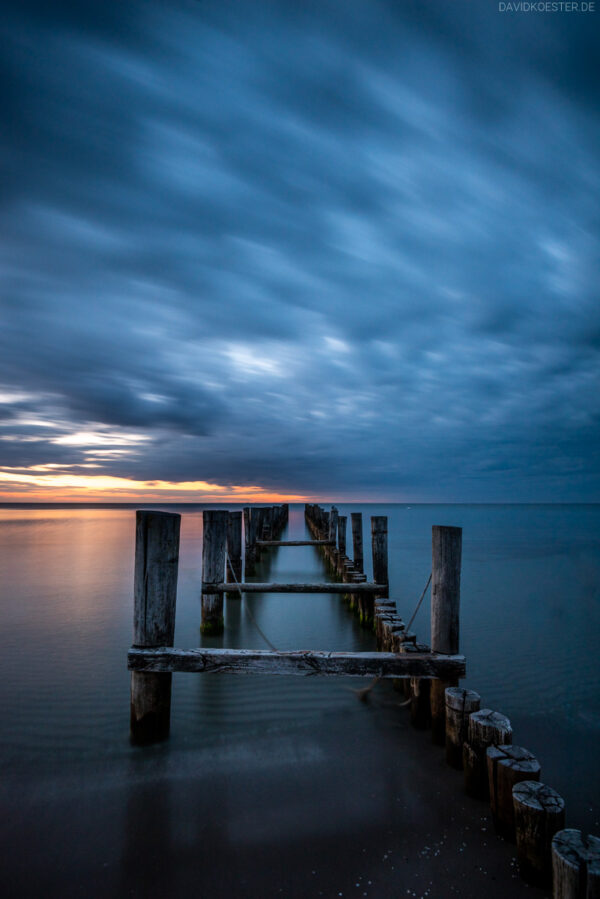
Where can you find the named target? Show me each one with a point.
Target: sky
(333, 250)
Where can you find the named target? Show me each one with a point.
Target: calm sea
(530, 629)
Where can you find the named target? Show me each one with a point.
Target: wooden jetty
(478, 741)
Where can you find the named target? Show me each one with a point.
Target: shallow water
(530, 623)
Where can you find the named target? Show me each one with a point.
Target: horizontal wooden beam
(256, 661)
(294, 543)
(297, 588)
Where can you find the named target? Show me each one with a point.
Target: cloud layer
(344, 249)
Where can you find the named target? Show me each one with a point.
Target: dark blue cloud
(324, 248)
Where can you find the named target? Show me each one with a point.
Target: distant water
(530, 629)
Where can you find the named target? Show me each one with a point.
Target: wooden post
(379, 546)
(342, 520)
(154, 597)
(460, 704)
(446, 549)
(331, 551)
(507, 766)
(246, 519)
(234, 551)
(257, 524)
(214, 545)
(486, 728)
(357, 541)
(575, 865)
(249, 541)
(539, 814)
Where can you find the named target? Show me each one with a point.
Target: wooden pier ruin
(476, 740)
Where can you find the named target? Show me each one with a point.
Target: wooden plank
(332, 587)
(294, 543)
(254, 661)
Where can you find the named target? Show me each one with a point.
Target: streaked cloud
(342, 250)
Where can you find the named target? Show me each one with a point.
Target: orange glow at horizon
(39, 484)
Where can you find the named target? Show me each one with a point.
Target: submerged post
(446, 552)
(154, 596)
(214, 543)
(357, 541)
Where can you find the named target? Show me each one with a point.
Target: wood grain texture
(155, 577)
(508, 765)
(155, 593)
(486, 728)
(460, 703)
(446, 551)
(250, 661)
(539, 815)
(272, 587)
(214, 546)
(379, 546)
(575, 865)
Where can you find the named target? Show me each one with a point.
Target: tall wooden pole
(379, 546)
(214, 544)
(154, 597)
(446, 552)
(379, 550)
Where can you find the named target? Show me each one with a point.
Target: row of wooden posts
(477, 741)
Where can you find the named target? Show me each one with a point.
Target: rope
(419, 603)
(247, 608)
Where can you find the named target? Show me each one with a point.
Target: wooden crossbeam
(297, 588)
(294, 543)
(306, 663)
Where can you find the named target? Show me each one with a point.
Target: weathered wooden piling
(342, 524)
(155, 593)
(507, 766)
(233, 568)
(379, 547)
(460, 703)
(246, 520)
(575, 865)
(331, 551)
(357, 541)
(486, 728)
(446, 551)
(250, 524)
(214, 545)
(539, 815)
